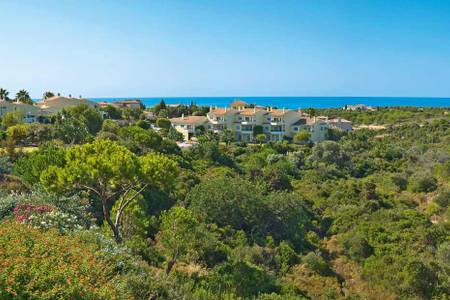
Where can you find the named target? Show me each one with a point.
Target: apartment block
(245, 121)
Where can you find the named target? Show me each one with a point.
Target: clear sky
(226, 48)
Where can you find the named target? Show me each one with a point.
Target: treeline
(387, 115)
(115, 210)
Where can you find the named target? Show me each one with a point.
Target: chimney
(210, 108)
(182, 116)
(283, 110)
(254, 109)
(226, 109)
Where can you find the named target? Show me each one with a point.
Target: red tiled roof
(189, 119)
(238, 103)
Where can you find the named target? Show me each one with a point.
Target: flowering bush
(24, 212)
(22, 205)
(55, 219)
(46, 217)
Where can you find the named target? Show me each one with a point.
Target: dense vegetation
(113, 209)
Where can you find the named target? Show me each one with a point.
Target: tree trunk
(171, 262)
(114, 228)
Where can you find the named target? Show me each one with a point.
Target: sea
(294, 102)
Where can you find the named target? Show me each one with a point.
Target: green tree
(17, 133)
(113, 112)
(47, 95)
(30, 166)
(330, 153)
(111, 173)
(227, 136)
(302, 137)
(71, 130)
(110, 126)
(422, 183)
(144, 124)
(316, 263)
(230, 201)
(131, 114)
(139, 140)
(257, 129)
(163, 123)
(12, 118)
(88, 116)
(4, 94)
(161, 106)
(261, 138)
(174, 135)
(182, 236)
(24, 97)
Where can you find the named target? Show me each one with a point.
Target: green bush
(316, 263)
(422, 183)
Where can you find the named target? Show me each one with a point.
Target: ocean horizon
(294, 102)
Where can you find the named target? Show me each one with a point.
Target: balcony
(216, 120)
(277, 129)
(276, 122)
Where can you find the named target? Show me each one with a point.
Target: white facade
(276, 124)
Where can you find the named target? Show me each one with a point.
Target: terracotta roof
(57, 103)
(189, 119)
(250, 111)
(221, 111)
(311, 121)
(278, 112)
(238, 103)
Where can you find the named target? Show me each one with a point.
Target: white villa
(55, 104)
(30, 112)
(276, 124)
(46, 107)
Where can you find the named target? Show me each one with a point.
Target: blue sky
(226, 48)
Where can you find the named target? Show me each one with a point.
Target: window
(238, 127)
(295, 128)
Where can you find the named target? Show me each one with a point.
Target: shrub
(144, 124)
(73, 205)
(443, 198)
(302, 137)
(316, 263)
(357, 246)
(163, 123)
(45, 265)
(422, 183)
(5, 165)
(45, 217)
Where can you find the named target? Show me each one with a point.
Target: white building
(276, 124)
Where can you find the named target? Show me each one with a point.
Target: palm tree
(24, 97)
(47, 95)
(4, 94)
